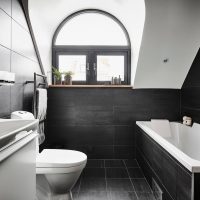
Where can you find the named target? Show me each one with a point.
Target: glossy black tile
(135, 173)
(114, 163)
(141, 185)
(116, 173)
(119, 185)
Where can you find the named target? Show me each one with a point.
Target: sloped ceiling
(171, 33)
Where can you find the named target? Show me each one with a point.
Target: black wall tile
(82, 135)
(95, 118)
(124, 135)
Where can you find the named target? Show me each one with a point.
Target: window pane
(110, 66)
(74, 63)
(91, 29)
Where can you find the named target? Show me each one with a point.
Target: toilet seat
(56, 158)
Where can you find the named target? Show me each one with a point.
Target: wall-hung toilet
(57, 170)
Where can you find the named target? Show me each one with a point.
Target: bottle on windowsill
(119, 80)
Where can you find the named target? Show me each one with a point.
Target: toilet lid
(60, 158)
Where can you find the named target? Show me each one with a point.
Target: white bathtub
(181, 141)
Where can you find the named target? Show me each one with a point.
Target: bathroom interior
(99, 100)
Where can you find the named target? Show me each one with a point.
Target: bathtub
(181, 141)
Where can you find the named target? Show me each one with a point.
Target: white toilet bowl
(61, 169)
(57, 170)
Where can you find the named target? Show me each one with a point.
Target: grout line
(24, 56)
(9, 15)
(130, 179)
(22, 26)
(107, 192)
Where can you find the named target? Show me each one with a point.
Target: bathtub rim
(189, 163)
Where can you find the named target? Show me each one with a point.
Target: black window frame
(92, 51)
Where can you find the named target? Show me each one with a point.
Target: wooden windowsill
(90, 86)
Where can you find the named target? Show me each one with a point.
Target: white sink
(9, 128)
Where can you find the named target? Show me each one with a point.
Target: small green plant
(57, 73)
(68, 73)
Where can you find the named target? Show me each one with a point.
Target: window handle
(88, 66)
(95, 68)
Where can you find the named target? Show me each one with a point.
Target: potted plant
(57, 76)
(68, 77)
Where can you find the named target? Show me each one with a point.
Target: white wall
(46, 15)
(172, 30)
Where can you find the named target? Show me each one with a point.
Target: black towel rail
(45, 84)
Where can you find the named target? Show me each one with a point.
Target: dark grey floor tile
(131, 163)
(117, 195)
(93, 184)
(116, 173)
(91, 195)
(114, 163)
(93, 163)
(145, 196)
(135, 172)
(119, 185)
(94, 173)
(141, 185)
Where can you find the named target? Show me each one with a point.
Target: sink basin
(9, 128)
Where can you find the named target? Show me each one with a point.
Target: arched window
(94, 45)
